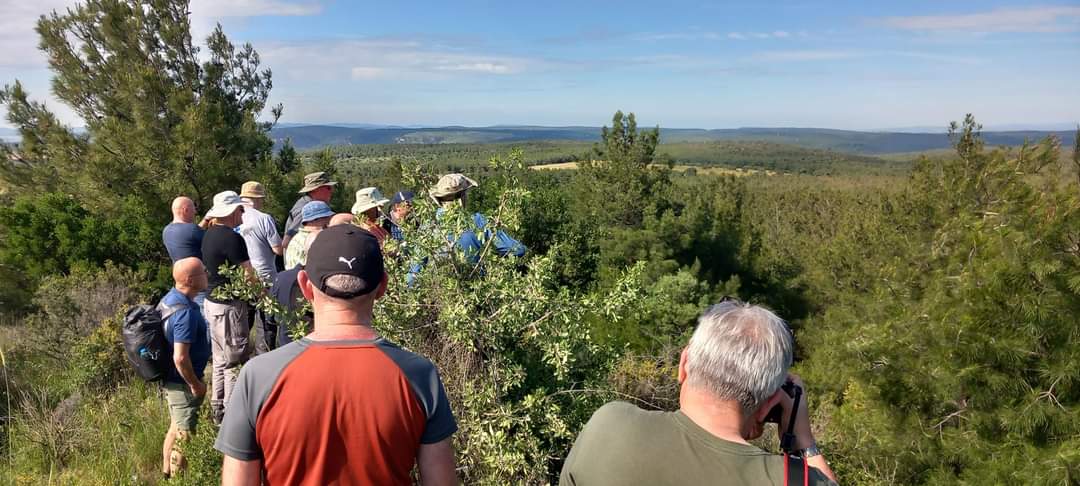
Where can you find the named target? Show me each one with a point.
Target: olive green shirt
(625, 445)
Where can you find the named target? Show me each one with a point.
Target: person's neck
(181, 221)
(188, 292)
(720, 418)
(334, 324)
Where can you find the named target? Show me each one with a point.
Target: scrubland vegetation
(935, 305)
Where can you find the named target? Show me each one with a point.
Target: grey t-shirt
(260, 235)
(625, 445)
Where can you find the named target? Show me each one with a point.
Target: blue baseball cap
(315, 210)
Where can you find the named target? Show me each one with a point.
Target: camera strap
(787, 441)
(792, 474)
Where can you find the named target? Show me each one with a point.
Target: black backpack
(144, 339)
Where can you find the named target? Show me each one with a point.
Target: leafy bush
(52, 234)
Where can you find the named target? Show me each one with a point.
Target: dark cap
(345, 250)
(400, 197)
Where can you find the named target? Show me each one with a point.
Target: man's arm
(235, 472)
(182, 360)
(437, 466)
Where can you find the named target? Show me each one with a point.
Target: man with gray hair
(731, 375)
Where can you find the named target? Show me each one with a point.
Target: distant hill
(868, 143)
(9, 135)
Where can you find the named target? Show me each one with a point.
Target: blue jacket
(471, 242)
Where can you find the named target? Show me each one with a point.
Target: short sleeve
(237, 250)
(236, 438)
(182, 329)
(424, 379)
(292, 225)
(440, 424)
(270, 231)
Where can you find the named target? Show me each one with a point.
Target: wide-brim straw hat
(225, 203)
(367, 198)
(252, 189)
(451, 185)
(314, 181)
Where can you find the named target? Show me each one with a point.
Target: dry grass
(700, 170)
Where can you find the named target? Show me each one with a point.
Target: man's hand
(804, 437)
(198, 388)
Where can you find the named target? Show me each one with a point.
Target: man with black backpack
(186, 336)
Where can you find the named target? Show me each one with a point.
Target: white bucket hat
(367, 198)
(225, 203)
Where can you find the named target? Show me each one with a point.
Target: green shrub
(52, 234)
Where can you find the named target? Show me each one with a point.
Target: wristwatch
(810, 451)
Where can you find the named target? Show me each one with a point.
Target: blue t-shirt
(183, 240)
(186, 325)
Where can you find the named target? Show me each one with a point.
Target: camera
(777, 412)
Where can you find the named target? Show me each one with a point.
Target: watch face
(811, 451)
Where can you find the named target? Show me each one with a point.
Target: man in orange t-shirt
(342, 405)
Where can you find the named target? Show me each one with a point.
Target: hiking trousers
(230, 347)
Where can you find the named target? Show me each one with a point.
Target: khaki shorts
(183, 405)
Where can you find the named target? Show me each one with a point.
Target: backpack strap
(167, 311)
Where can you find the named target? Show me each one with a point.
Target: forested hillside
(935, 304)
(850, 141)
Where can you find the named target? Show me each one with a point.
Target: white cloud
(362, 73)
(18, 41)
(807, 55)
(781, 34)
(1034, 19)
(479, 67)
(387, 58)
(736, 36)
(833, 55)
(252, 8)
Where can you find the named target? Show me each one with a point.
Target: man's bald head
(341, 218)
(183, 210)
(189, 275)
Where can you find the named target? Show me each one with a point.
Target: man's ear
(682, 365)
(306, 287)
(763, 409)
(383, 284)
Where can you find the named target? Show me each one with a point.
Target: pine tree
(159, 122)
(615, 187)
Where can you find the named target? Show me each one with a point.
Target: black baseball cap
(345, 250)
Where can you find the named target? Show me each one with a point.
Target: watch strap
(810, 451)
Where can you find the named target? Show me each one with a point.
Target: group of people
(343, 405)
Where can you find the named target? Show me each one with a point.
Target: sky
(838, 64)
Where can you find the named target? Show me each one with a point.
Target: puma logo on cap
(348, 262)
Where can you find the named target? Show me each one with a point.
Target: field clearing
(678, 168)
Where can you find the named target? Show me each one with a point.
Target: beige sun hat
(314, 181)
(367, 198)
(452, 184)
(252, 189)
(225, 203)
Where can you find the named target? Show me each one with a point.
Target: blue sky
(853, 65)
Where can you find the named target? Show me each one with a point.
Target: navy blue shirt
(183, 240)
(186, 325)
